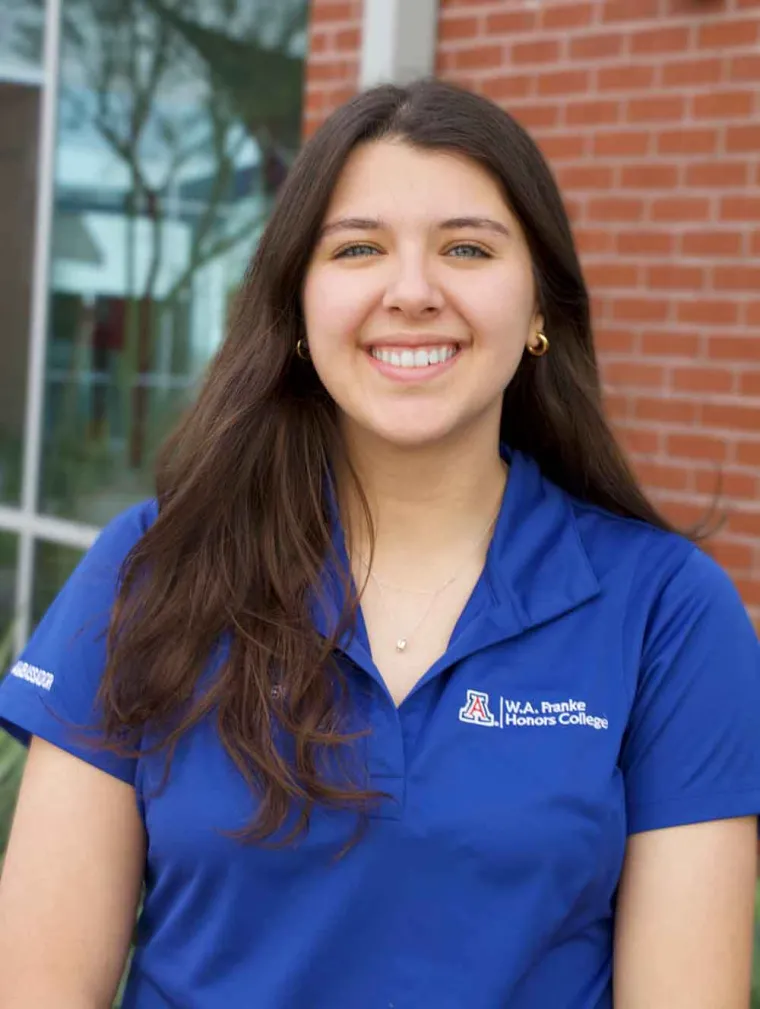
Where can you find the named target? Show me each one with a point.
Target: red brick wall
(649, 111)
(332, 69)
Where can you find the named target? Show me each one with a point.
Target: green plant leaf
(6, 647)
(12, 755)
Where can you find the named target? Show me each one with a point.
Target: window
(142, 144)
(176, 125)
(19, 123)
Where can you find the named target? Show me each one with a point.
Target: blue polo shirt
(603, 679)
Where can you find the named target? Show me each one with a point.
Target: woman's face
(419, 299)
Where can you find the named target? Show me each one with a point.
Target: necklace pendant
(401, 645)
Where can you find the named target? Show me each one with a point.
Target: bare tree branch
(200, 257)
(145, 95)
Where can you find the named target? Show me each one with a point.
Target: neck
(427, 504)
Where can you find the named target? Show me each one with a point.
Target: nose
(412, 291)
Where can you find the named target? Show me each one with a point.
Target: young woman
(401, 694)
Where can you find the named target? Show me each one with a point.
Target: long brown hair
(244, 523)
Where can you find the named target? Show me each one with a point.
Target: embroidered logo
(33, 675)
(529, 714)
(476, 710)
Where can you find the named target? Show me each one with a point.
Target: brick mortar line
(659, 259)
(683, 188)
(691, 50)
(329, 27)
(623, 27)
(700, 464)
(681, 428)
(677, 228)
(701, 497)
(671, 395)
(670, 362)
(622, 96)
(696, 90)
(686, 159)
(695, 49)
(683, 462)
(686, 396)
(336, 57)
(674, 293)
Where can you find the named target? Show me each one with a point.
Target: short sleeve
(692, 747)
(50, 691)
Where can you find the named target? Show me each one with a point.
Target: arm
(70, 884)
(683, 936)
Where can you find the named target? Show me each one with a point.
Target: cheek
(499, 310)
(333, 310)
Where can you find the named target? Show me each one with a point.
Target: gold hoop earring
(542, 348)
(302, 349)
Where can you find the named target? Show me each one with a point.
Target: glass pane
(21, 35)
(53, 563)
(19, 114)
(177, 124)
(11, 753)
(8, 559)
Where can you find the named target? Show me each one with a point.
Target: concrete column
(398, 41)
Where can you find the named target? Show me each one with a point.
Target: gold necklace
(402, 642)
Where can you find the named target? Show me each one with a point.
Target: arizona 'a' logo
(476, 710)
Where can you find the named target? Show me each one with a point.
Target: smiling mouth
(418, 357)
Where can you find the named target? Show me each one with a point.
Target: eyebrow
(451, 224)
(481, 223)
(352, 224)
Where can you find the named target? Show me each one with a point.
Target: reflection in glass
(21, 35)
(177, 124)
(11, 753)
(53, 563)
(8, 559)
(19, 113)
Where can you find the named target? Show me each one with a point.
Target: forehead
(392, 178)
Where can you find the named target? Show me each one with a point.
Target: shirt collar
(536, 568)
(537, 563)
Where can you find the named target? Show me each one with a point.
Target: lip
(412, 376)
(399, 342)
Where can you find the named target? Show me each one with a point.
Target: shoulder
(70, 637)
(615, 543)
(124, 531)
(630, 569)
(86, 599)
(51, 690)
(114, 542)
(668, 580)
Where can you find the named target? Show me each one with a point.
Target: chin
(406, 429)
(412, 442)
(412, 437)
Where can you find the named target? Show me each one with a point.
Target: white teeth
(414, 358)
